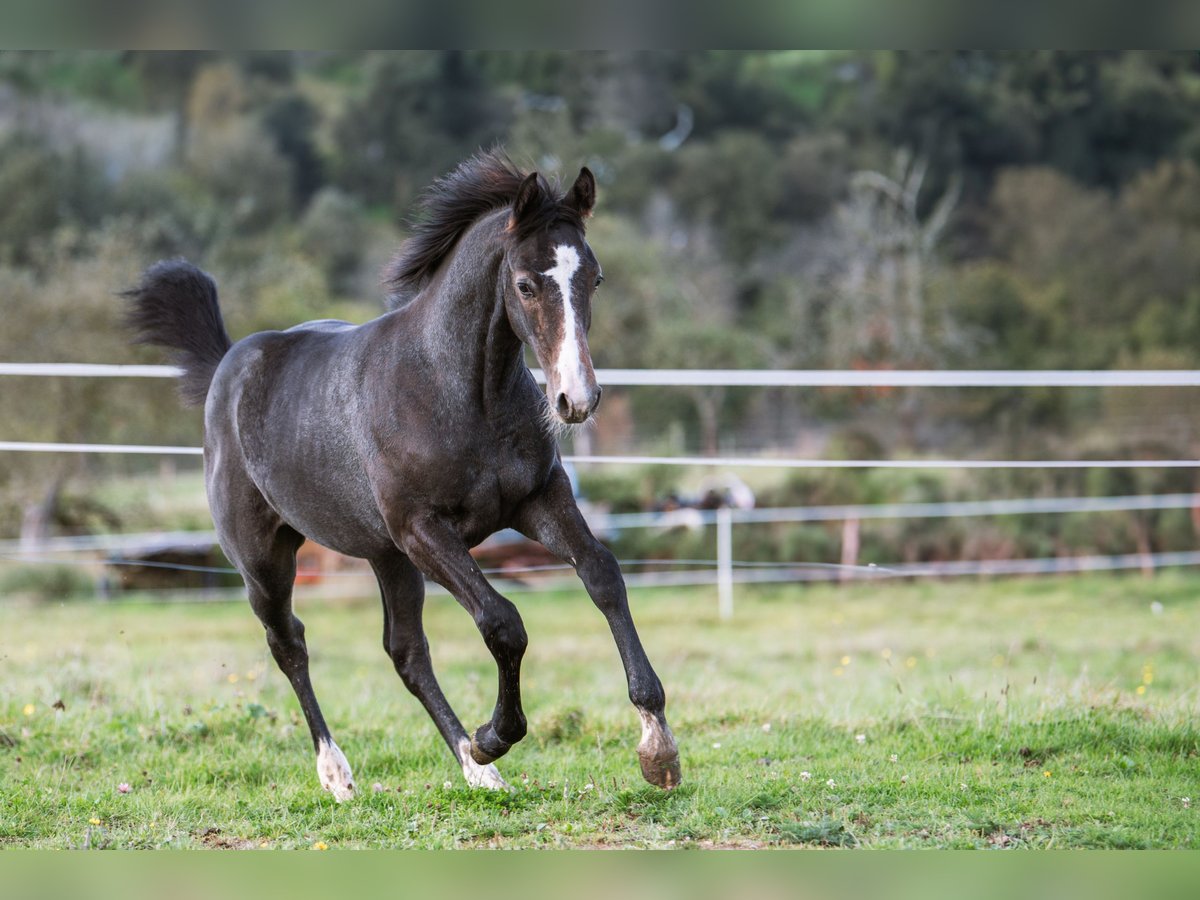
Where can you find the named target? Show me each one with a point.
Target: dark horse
(409, 439)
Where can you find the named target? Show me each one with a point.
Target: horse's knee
(411, 663)
(285, 638)
(599, 565)
(503, 631)
(601, 575)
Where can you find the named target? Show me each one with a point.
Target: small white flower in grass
(717, 745)
(447, 785)
(831, 783)
(860, 739)
(893, 758)
(377, 788)
(1156, 608)
(904, 779)
(767, 727)
(1186, 801)
(806, 776)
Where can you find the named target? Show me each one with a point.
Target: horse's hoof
(484, 776)
(661, 772)
(477, 775)
(486, 747)
(334, 772)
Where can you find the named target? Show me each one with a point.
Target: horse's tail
(175, 306)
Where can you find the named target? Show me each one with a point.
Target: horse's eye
(525, 288)
(599, 280)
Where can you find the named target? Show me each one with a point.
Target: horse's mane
(485, 182)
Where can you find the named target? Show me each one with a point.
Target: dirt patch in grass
(214, 840)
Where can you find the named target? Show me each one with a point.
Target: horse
(407, 440)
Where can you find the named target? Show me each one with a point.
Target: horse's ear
(582, 196)
(529, 200)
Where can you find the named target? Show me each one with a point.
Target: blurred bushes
(794, 210)
(44, 188)
(332, 234)
(46, 583)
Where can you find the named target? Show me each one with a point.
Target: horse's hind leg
(403, 589)
(267, 560)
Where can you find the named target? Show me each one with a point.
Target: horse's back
(271, 362)
(322, 325)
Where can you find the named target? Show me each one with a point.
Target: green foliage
(44, 188)
(332, 234)
(418, 115)
(780, 209)
(732, 184)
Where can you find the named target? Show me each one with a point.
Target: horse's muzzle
(574, 410)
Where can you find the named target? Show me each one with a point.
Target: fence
(726, 569)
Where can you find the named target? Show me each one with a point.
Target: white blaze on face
(569, 367)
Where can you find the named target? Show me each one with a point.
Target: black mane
(485, 182)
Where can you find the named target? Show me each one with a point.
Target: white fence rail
(752, 377)
(737, 462)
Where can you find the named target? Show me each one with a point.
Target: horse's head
(550, 276)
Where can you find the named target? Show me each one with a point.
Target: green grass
(1001, 714)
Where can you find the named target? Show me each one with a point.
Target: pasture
(1005, 714)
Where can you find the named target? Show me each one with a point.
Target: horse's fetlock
(514, 731)
(647, 694)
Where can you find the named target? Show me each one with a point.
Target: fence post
(725, 562)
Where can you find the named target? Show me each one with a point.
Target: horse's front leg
(438, 551)
(553, 518)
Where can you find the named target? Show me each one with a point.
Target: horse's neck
(466, 328)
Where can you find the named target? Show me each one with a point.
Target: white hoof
(477, 775)
(334, 772)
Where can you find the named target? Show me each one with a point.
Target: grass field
(1020, 713)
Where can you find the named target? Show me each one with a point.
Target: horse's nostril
(564, 407)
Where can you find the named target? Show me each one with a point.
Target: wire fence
(728, 462)
(603, 522)
(724, 570)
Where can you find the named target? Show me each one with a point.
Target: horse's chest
(508, 479)
(502, 480)
(474, 477)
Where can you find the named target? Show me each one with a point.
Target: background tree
(803, 209)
